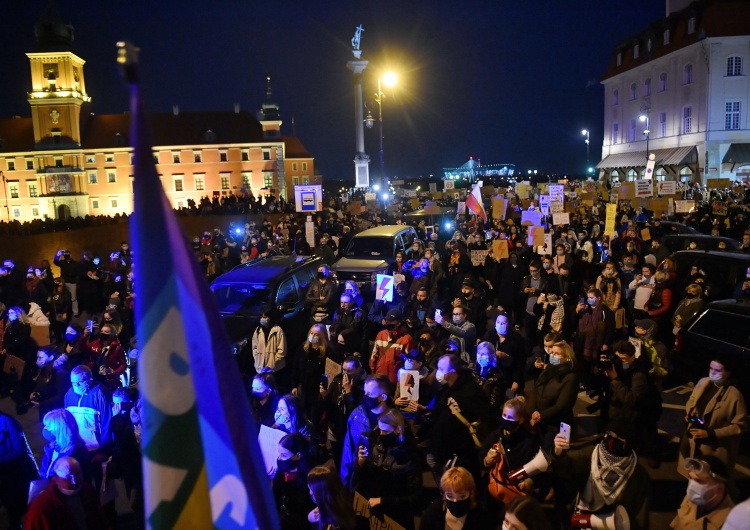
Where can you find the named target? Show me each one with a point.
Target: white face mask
(716, 378)
(699, 494)
(409, 364)
(440, 377)
(312, 339)
(554, 360)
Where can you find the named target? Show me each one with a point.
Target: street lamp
(647, 131)
(587, 134)
(388, 79)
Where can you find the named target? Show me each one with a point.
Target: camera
(606, 361)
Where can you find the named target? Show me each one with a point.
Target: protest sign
(499, 207)
(332, 369)
(556, 193)
(354, 207)
(718, 184)
(614, 197)
(487, 190)
(461, 207)
(719, 208)
(448, 185)
(384, 288)
(362, 508)
(478, 257)
(646, 234)
(500, 248)
(667, 187)
(536, 236)
(433, 187)
(431, 208)
(556, 207)
(531, 218)
(644, 188)
(560, 219)
(627, 191)
(609, 223)
(544, 204)
(547, 247)
(683, 206)
(658, 205)
(268, 440)
(370, 197)
(408, 381)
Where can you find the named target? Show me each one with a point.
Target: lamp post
(647, 131)
(389, 79)
(587, 134)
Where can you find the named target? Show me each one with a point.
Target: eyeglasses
(79, 383)
(701, 467)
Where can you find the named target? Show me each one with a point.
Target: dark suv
(276, 281)
(724, 270)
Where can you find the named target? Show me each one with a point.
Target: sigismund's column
(361, 159)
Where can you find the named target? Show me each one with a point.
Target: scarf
(609, 475)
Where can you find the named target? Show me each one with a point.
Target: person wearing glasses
(707, 503)
(89, 405)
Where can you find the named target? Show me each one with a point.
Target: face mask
(699, 494)
(106, 338)
(483, 362)
(560, 252)
(264, 322)
(70, 492)
(535, 274)
(440, 377)
(286, 466)
(627, 263)
(391, 326)
(467, 294)
(280, 419)
(513, 261)
(591, 301)
(48, 435)
(321, 275)
(458, 508)
(716, 378)
(260, 395)
(389, 439)
(501, 330)
(554, 360)
(509, 425)
(625, 365)
(616, 447)
(370, 403)
(546, 266)
(409, 364)
(424, 344)
(609, 273)
(458, 319)
(313, 339)
(690, 295)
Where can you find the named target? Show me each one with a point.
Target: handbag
(498, 486)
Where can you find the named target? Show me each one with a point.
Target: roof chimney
(176, 110)
(236, 108)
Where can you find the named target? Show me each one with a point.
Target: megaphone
(538, 464)
(615, 520)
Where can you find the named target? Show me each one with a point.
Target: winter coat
(554, 394)
(269, 352)
(386, 354)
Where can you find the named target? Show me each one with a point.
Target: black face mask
(424, 344)
(392, 326)
(286, 466)
(389, 439)
(616, 447)
(370, 402)
(321, 275)
(508, 425)
(458, 508)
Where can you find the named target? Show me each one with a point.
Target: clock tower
(58, 88)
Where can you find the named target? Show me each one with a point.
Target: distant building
(473, 170)
(688, 74)
(64, 161)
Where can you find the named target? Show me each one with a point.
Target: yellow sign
(609, 223)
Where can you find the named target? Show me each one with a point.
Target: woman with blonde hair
(310, 367)
(61, 431)
(457, 508)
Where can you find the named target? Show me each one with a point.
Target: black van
(724, 270)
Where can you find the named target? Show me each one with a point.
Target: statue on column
(357, 37)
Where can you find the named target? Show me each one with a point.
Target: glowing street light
(389, 79)
(587, 134)
(645, 119)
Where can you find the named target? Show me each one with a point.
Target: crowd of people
(470, 374)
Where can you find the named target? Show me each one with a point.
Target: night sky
(506, 82)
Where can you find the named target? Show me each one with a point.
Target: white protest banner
(683, 206)
(461, 207)
(310, 233)
(561, 218)
(448, 185)
(544, 204)
(371, 197)
(478, 257)
(531, 218)
(547, 248)
(408, 381)
(644, 188)
(667, 187)
(268, 440)
(384, 288)
(556, 193)
(410, 193)
(556, 206)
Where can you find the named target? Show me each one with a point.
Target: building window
(176, 158)
(200, 183)
(33, 192)
(295, 181)
(111, 177)
(35, 211)
(109, 157)
(305, 181)
(93, 178)
(687, 74)
(113, 203)
(666, 37)
(662, 82)
(294, 166)
(304, 166)
(662, 124)
(225, 182)
(732, 115)
(636, 51)
(632, 91)
(245, 155)
(90, 159)
(178, 184)
(197, 156)
(59, 161)
(268, 179)
(13, 187)
(11, 165)
(691, 25)
(222, 156)
(16, 212)
(29, 164)
(647, 87)
(247, 179)
(615, 97)
(734, 65)
(687, 120)
(95, 204)
(619, 59)
(631, 131)
(266, 154)
(615, 133)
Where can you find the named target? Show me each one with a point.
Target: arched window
(686, 174)
(615, 97)
(647, 87)
(632, 174)
(632, 91)
(662, 82)
(687, 74)
(734, 65)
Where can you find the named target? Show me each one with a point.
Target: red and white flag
(474, 202)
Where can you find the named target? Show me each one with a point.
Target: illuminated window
(225, 182)
(33, 192)
(200, 183)
(95, 204)
(13, 187)
(93, 178)
(16, 212)
(111, 177)
(247, 179)
(732, 115)
(268, 179)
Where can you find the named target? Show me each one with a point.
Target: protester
(458, 507)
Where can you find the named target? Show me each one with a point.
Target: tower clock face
(50, 70)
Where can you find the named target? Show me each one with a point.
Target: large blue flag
(202, 465)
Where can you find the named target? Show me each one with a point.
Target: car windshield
(241, 297)
(370, 246)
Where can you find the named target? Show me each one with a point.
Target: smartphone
(324, 381)
(565, 431)
(582, 300)
(90, 325)
(437, 312)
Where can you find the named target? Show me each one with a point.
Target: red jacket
(386, 355)
(114, 359)
(49, 511)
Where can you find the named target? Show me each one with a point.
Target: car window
(369, 247)
(305, 276)
(241, 297)
(727, 327)
(287, 294)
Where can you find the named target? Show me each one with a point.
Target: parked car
(370, 252)
(724, 270)
(670, 227)
(722, 328)
(275, 281)
(676, 242)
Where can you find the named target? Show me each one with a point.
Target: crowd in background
(499, 352)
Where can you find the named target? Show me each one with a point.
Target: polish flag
(474, 202)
